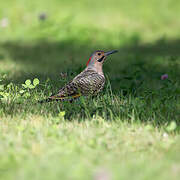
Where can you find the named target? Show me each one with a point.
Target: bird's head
(98, 57)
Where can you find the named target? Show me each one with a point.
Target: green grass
(129, 130)
(37, 148)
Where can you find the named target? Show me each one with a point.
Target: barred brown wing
(86, 83)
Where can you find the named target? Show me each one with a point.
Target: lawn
(130, 130)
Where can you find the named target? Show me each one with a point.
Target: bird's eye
(99, 54)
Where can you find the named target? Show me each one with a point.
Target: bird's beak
(110, 52)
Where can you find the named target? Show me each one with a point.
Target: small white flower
(4, 22)
(165, 135)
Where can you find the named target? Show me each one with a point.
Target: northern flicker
(89, 82)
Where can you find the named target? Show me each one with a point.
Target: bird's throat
(99, 60)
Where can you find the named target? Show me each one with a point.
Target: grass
(84, 150)
(129, 130)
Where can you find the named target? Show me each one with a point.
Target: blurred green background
(45, 38)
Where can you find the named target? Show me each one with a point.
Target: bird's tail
(60, 98)
(45, 100)
(56, 99)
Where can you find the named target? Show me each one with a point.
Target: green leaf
(4, 76)
(36, 81)
(21, 91)
(10, 85)
(172, 126)
(62, 113)
(4, 94)
(1, 93)
(27, 94)
(28, 82)
(1, 87)
(24, 85)
(31, 86)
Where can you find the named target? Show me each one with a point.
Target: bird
(88, 83)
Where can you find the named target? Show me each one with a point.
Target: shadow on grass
(48, 59)
(136, 68)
